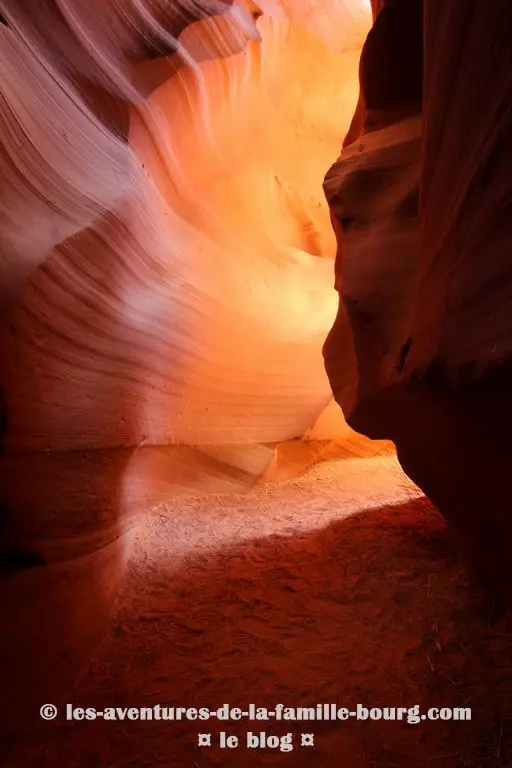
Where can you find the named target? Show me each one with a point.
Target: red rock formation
(448, 408)
(166, 285)
(373, 195)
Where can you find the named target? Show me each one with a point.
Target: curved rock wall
(373, 192)
(167, 266)
(166, 284)
(458, 367)
(437, 382)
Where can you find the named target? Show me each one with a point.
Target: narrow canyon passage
(342, 585)
(256, 380)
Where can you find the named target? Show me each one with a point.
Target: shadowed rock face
(437, 380)
(391, 66)
(373, 191)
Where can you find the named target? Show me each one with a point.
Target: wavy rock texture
(167, 264)
(190, 283)
(167, 260)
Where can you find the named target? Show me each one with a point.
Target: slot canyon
(255, 389)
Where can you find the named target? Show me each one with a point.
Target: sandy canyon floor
(343, 586)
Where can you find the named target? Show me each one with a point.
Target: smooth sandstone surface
(167, 269)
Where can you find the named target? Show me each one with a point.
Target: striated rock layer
(166, 284)
(166, 287)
